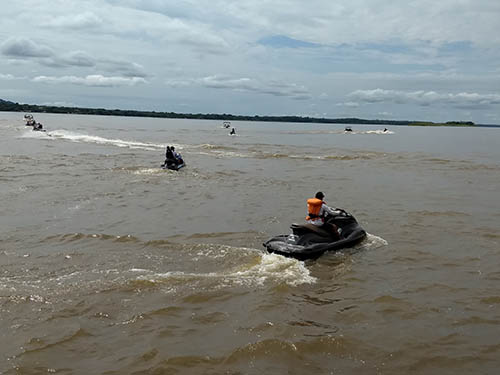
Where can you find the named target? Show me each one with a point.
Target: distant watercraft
(226, 124)
(348, 129)
(30, 121)
(37, 127)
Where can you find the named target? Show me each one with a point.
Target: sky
(374, 59)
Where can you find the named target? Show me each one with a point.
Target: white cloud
(384, 114)
(95, 80)
(348, 104)
(83, 20)
(426, 98)
(7, 77)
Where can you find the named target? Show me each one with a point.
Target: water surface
(111, 265)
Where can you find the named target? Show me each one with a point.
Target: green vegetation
(7, 106)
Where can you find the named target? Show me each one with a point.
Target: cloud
(348, 104)
(427, 98)
(95, 80)
(283, 41)
(78, 58)
(7, 77)
(83, 20)
(275, 88)
(20, 47)
(263, 48)
(125, 68)
(385, 114)
(44, 55)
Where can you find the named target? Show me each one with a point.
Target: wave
(214, 150)
(40, 344)
(36, 135)
(268, 267)
(372, 242)
(378, 131)
(224, 265)
(86, 138)
(462, 165)
(78, 137)
(72, 237)
(208, 146)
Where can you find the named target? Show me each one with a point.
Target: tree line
(8, 106)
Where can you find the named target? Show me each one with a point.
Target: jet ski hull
(173, 167)
(307, 242)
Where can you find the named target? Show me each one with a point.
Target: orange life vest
(314, 208)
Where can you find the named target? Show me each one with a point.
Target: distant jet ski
(308, 241)
(30, 121)
(37, 127)
(348, 129)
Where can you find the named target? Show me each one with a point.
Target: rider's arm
(330, 211)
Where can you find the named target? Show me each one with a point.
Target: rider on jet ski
(177, 156)
(317, 210)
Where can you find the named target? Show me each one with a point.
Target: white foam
(379, 132)
(275, 267)
(372, 242)
(270, 268)
(35, 134)
(78, 137)
(149, 171)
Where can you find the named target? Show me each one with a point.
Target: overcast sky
(387, 59)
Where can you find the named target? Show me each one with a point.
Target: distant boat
(226, 124)
(348, 129)
(30, 121)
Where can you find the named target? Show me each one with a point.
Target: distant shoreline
(7, 106)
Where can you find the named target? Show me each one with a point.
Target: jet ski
(308, 241)
(173, 165)
(38, 127)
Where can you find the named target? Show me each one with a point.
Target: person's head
(172, 148)
(320, 195)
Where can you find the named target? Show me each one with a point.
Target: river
(111, 265)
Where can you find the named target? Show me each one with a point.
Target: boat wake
(270, 268)
(378, 132)
(85, 138)
(78, 137)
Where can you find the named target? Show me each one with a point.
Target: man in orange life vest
(317, 210)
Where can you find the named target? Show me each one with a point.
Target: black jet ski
(308, 241)
(173, 164)
(38, 128)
